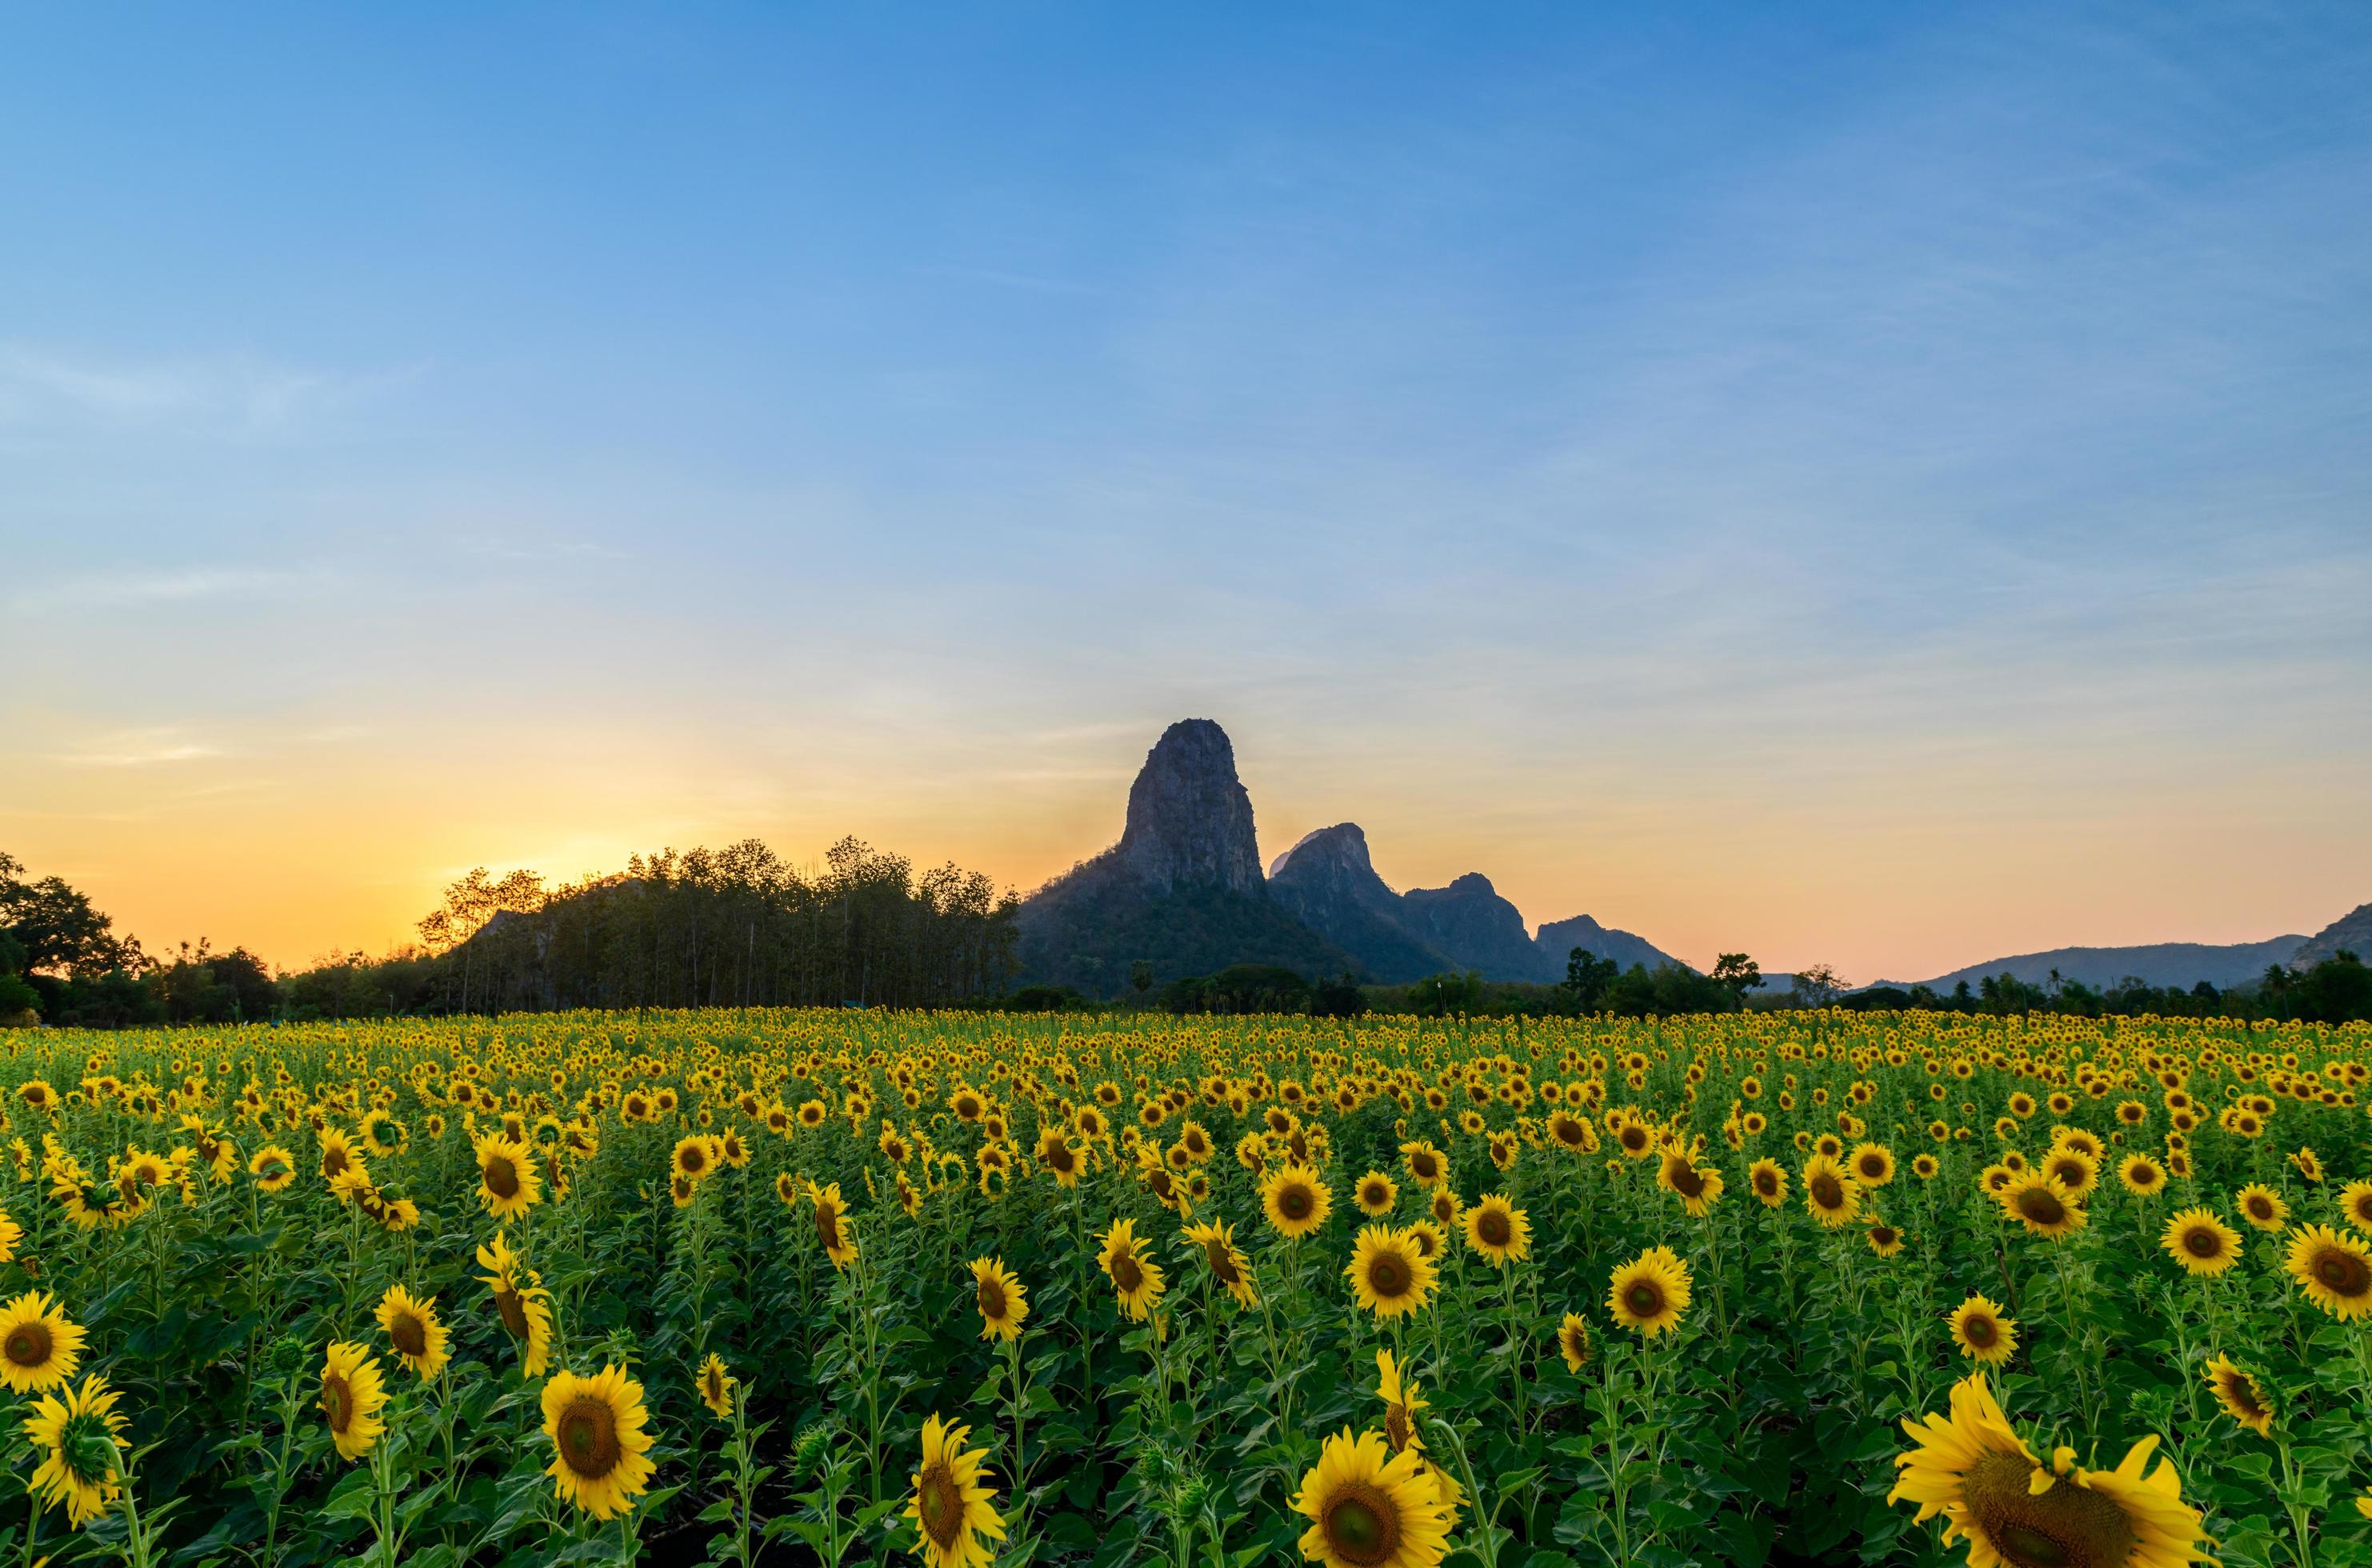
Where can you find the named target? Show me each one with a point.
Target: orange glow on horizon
(339, 846)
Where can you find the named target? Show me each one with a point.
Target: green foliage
(2338, 989)
(54, 929)
(732, 927)
(1046, 999)
(1761, 1430)
(1668, 991)
(1095, 937)
(19, 1001)
(1738, 972)
(1587, 978)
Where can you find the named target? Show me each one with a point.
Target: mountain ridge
(2352, 930)
(2179, 964)
(1183, 891)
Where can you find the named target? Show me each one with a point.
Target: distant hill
(1183, 890)
(1478, 929)
(2162, 964)
(1183, 893)
(2352, 930)
(1558, 938)
(1328, 880)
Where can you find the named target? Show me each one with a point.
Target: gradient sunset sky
(1883, 485)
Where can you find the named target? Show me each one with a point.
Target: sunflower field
(840, 1287)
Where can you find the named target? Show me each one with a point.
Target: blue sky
(1882, 485)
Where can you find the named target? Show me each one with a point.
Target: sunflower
(395, 1215)
(2043, 1205)
(1975, 1470)
(695, 1157)
(81, 1466)
(1872, 1165)
(2261, 1206)
(2076, 1169)
(2356, 1203)
(717, 1384)
(2243, 1396)
(2141, 1176)
(382, 1134)
(352, 1396)
(1429, 1237)
(1426, 1165)
(2334, 1270)
(1768, 1178)
(1295, 1200)
(212, 1149)
(1388, 1275)
(1375, 1194)
(508, 1183)
(1136, 1278)
(1401, 1401)
(273, 1167)
(2201, 1242)
(1002, 1299)
(337, 1153)
(1884, 1239)
(832, 1228)
(1497, 1229)
(1650, 1293)
(40, 1345)
(598, 1442)
(520, 1301)
(1697, 1190)
(1369, 1507)
(1054, 1152)
(1571, 1133)
(411, 1325)
(1227, 1265)
(1573, 1341)
(1983, 1334)
(1830, 1195)
(954, 1513)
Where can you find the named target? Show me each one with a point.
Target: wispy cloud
(141, 749)
(513, 549)
(189, 584)
(225, 395)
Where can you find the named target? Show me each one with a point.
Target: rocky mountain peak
(1342, 847)
(2352, 930)
(1190, 821)
(1477, 928)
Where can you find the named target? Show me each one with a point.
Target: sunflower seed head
(808, 1450)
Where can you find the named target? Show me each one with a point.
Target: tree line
(2338, 989)
(737, 927)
